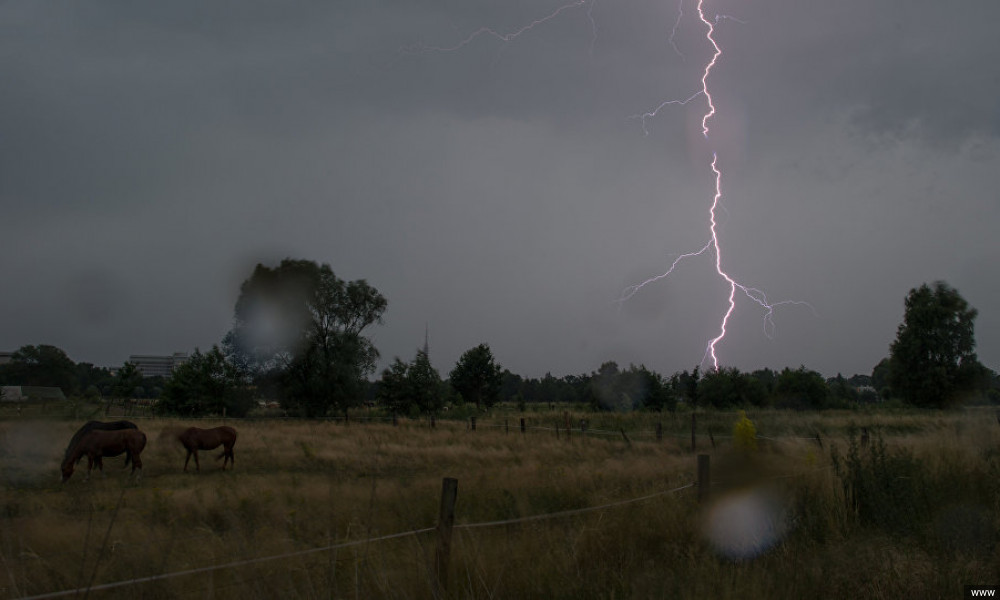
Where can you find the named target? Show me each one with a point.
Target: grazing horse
(91, 426)
(97, 444)
(195, 439)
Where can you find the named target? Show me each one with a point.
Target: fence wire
(414, 532)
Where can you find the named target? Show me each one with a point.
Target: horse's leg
(197, 465)
(137, 464)
(186, 461)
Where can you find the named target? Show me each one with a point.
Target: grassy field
(913, 513)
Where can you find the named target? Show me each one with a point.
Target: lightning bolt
(673, 31)
(506, 37)
(755, 295)
(713, 244)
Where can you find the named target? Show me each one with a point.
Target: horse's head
(67, 470)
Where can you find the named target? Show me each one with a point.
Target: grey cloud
(500, 194)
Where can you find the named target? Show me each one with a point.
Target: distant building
(5, 357)
(151, 366)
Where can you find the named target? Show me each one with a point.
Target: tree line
(298, 338)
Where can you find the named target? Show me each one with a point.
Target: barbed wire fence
(348, 544)
(444, 529)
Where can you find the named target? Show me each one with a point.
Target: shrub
(745, 434)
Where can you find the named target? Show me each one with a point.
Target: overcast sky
(152, 153)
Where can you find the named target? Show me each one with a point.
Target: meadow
(810, 512)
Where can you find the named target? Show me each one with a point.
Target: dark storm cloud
(152, 154)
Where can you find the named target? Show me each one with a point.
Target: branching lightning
(506, 37)
(753, 294)
(713, 244)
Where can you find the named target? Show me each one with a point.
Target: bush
(881, 486)
(745, 434)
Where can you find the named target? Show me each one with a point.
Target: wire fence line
(446, 422)
(568, 513)
(342, 545)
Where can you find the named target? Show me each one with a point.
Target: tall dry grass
(299, 485)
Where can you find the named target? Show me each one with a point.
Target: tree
(842, 393)
(425, 386)
(477, 377)
(392, 388)
(41, 365)
(880, 379)
(801, 389)
(206, 384)
(126, 381)
(727, 386)
(646, 389)
(685, 385)
(90, 379)
(412, 388)
(299, 325)
(932, 362)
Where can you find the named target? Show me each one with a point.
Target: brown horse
(98, 444)
(92, 425)
(195, 439)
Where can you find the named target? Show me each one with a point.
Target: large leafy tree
(477, 377)
(301, 325)
(932, 362)
(41, 365)
(206, 384)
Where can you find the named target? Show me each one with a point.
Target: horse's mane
(91, 426)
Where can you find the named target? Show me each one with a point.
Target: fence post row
(446, 520)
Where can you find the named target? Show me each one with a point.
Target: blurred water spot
(744, 524)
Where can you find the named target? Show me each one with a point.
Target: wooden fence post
(659, 432)
(446, 520)
(432, 421)
(703, 478)
(395, 420)
(472, 423)
(692, 432)
(506, 427)
(523, 428)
